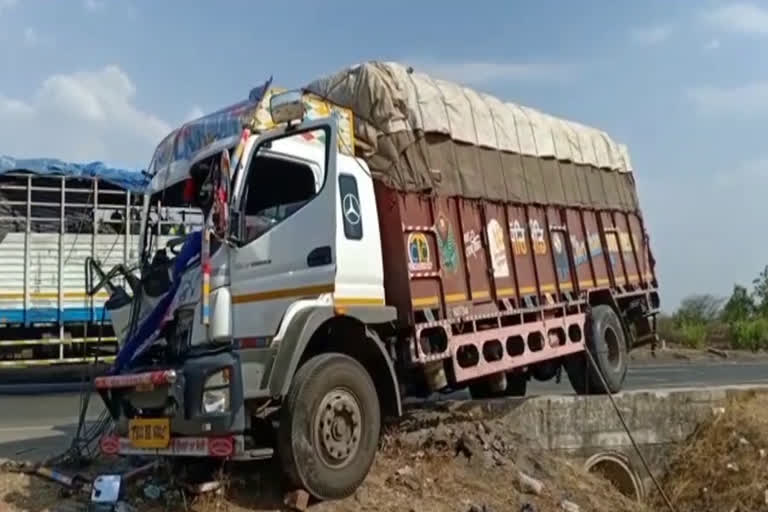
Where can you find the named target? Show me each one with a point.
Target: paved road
(45, 423)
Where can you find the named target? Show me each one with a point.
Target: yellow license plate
(150, 432)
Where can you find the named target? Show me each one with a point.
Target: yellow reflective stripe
(424, 301)
(284, 293)
(358, 301)
(50, 295)
(24, 363)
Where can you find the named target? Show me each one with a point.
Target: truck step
(256, 454)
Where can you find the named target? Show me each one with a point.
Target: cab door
(285, 201)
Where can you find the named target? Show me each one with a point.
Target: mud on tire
(606, 341)
(329, 426)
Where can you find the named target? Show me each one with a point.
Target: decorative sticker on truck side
(419, 259)
(561, 256)
(517, 237)
(472, 244)
(498, 251)
(613, 248)
(446, 244)
(579, 251)
(537, 236)
(517, 232)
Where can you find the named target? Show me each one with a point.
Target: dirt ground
(449, 461)
(724, 466)
(433, 463)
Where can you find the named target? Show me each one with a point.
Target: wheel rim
(338, 428)
(614, 351)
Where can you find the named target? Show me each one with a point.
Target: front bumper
(176, 393)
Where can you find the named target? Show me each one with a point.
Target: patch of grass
(694, 335)
(689, 334)
(751, 334)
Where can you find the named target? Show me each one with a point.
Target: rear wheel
(329, 426)
(607, 343)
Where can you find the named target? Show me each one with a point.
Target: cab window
(276, 188)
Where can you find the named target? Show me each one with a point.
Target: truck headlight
(216, 392)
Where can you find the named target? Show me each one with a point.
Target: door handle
(319, 256)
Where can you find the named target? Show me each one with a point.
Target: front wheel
(329, 426)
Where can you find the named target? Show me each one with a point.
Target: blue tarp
(130, 179)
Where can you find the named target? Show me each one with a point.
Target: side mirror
(287, 107)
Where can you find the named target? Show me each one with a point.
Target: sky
(684, 84)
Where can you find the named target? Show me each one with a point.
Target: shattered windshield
(170, 216)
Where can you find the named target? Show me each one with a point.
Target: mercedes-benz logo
(351, 209)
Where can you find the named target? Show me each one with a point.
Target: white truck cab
(300, 259)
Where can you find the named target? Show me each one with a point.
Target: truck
(373, 236)
(53, 215)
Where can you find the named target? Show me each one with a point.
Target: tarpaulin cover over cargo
(43, 202)
(129, 179)
(420, 134)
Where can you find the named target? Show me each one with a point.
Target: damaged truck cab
(296, 292)
(341, 268)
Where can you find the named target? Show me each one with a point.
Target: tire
(331, 408)
(606, 341)
(546, 370)
(517, 385)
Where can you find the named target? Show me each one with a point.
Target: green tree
(698, 309)
(740, 305)
(761, 291)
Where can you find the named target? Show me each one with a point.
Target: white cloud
(14, 107)
(744, 18)
(82, 116)
(93, 5)
(30, 37)
(648, 36)
(714, 44)
(744, 100)
(479, 72)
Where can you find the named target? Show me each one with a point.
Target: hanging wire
(83, 447)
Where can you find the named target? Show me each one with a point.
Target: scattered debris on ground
(436, 461)
(724, 465)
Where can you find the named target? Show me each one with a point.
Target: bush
(751, 334)
(739, 307)
(687, 333)
(693, 334)
(698, 309)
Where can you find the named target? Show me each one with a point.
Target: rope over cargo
(419, 134)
